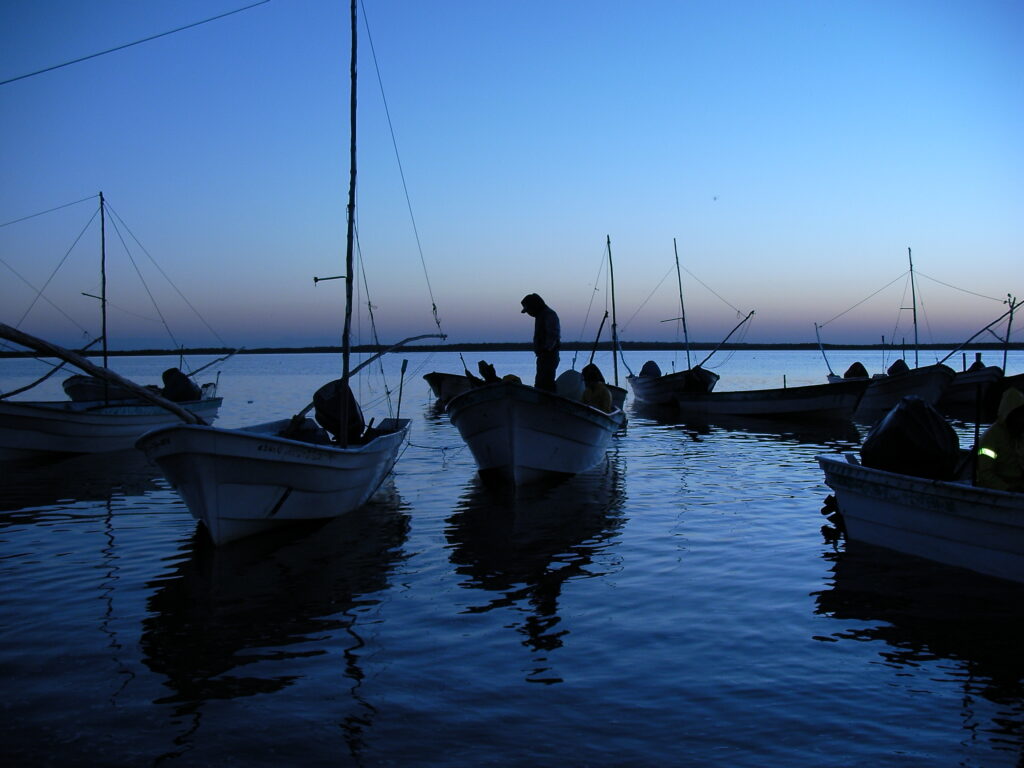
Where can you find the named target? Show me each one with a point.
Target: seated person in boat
(1001, 450)
(488, 373)
(328, 403)
(595, 391)
(178, 387)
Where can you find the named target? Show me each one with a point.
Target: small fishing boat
(951, 522)
(31, 430)
(885, 391)
(50, 429)
(815, 401)
(240, 482)
(651, 387)
(658, 389)
(970, 390)
(445, 386)
(523, 435)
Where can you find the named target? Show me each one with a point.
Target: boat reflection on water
(523, 548)
(85, 477)
(290, 595)
(839, 432)
(923, 613)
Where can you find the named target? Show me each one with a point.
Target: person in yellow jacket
(595, 391)
(1001, 450)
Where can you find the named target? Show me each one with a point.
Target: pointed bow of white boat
(240, 482)
(949, 522)
(523, 435)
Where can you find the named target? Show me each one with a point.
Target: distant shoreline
(526, 347)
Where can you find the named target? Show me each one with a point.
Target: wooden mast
(103, 279)
(913, 303)
(682, 309)
(346, 342)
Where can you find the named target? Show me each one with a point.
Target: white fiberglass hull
(39, 429)
(524, 435)
(885, 392)
(240, 482)
(817, 401)
(948, 522)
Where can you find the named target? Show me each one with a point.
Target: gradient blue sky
(794, 149)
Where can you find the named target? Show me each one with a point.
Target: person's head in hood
(532, 304)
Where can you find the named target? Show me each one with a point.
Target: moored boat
(246, 481)
(947, 521)
(240, 482)
(657, 389)
(885, 391)
(31, 429)
(523, 435)
(814, 401)
(445, 386)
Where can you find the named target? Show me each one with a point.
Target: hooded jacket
(1000, 452)
(546, 328)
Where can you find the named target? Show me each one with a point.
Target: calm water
(682, 605)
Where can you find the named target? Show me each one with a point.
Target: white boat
(815, 401)
(950, 522)
(240, 482)
(34, 430)
(885, 391)
(523, 435)
(245, 481)
(41, 429)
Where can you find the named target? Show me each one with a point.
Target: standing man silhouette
(546, 340)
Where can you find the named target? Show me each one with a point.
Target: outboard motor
(913, 439)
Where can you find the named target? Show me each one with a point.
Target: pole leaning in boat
(48, 348)
(615, 325)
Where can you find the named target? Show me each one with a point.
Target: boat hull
(661, 390)
(240, 482)
(885, 392)
(816, 401)
(947, 522)
(969, 394)
(32, 429)
(445, 386)
(524, 435)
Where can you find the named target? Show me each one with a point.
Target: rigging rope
(955, 288)
(51, 210)
(170, 282)
(57, 269)
(39, 293)
(163, 320)
(129, 45)
(401, 171)
(822, 325)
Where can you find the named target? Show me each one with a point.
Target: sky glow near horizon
(794, 150)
